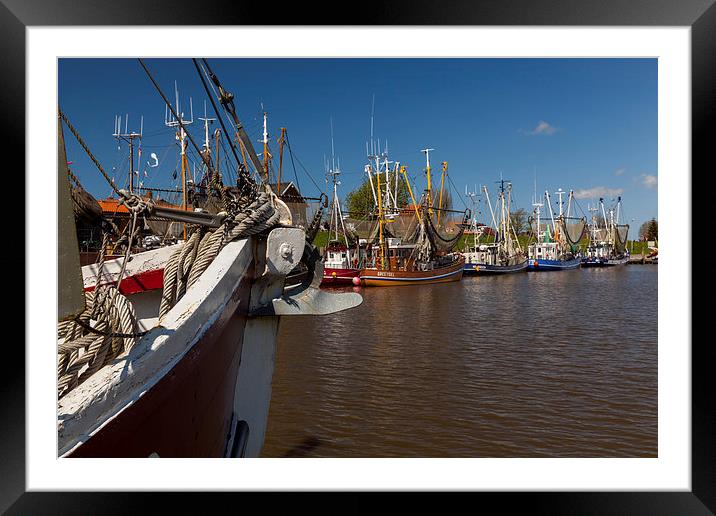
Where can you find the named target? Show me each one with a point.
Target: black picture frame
(700, 15)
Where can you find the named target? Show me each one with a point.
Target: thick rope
(81, 352)
(189, 261)
(83, 348)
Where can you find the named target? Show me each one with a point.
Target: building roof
(112, 205)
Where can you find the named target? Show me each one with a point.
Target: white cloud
(597, 191)
(648, 180)
(543, 128)
(619, 172)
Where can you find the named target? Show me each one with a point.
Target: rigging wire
(213, 104)
(178, 119)
(288, 143)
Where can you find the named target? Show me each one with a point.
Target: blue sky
(583, 124)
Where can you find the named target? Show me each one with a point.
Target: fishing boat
(607, 239)
(429, 259)
(556, 249)
(504, 254)
(180, 367)
(342, 257)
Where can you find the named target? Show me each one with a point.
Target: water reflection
(532, 364)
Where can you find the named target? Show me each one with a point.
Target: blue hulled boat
(502, 256)
(556, 249)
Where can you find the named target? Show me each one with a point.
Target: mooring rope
(85, 348)
(189, 261)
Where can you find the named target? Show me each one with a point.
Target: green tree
(519, 220)
(652, 230)
(649, 230)
(360, 201)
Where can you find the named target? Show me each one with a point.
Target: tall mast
(370, 180)
(380, 226)
(266, 152)
(569, 203)
(128, 137)
(473, 222)
(604, 214)
(207, 145)
(404, 171)
(442, 187)
(172, 122)
(503, 225)
(551, 213)
(489, 205)
(206, 121)
(427, 173)
(281, 143)
(217, 135)
(559, 193)
(538, 208)
(594, 225)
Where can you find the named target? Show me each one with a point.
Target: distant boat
(607, 239)
(427, 259)
(558, 249)
(504, 255)
(340, 261)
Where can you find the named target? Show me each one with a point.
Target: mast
(172, 122)
(207, 145)
(281, 143)
(473, 222)
(594, 226)
(266, 151)
(380, 226)
(559, 193)
(206, 121)
(551, 212)
(604, 214)
(503, 225)
(427, 173)
(410, 191)
(370, 180)
(442, 187)
(489, 205)
(538, 209)
(508, 219)
(217, 135)
(129, 137)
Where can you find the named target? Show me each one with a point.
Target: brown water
(550, 364)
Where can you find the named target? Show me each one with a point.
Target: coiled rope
(84, 348)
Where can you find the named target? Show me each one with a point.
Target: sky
(588, 125)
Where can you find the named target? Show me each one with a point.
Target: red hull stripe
(142, 282)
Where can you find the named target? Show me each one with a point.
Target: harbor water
(538, 364)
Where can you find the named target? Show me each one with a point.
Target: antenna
(502, 182)
(173, 122)
(427, 157)
(128, 137)
(206, 121)
(372, 113)
(559, 193)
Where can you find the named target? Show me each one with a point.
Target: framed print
(523, 138)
